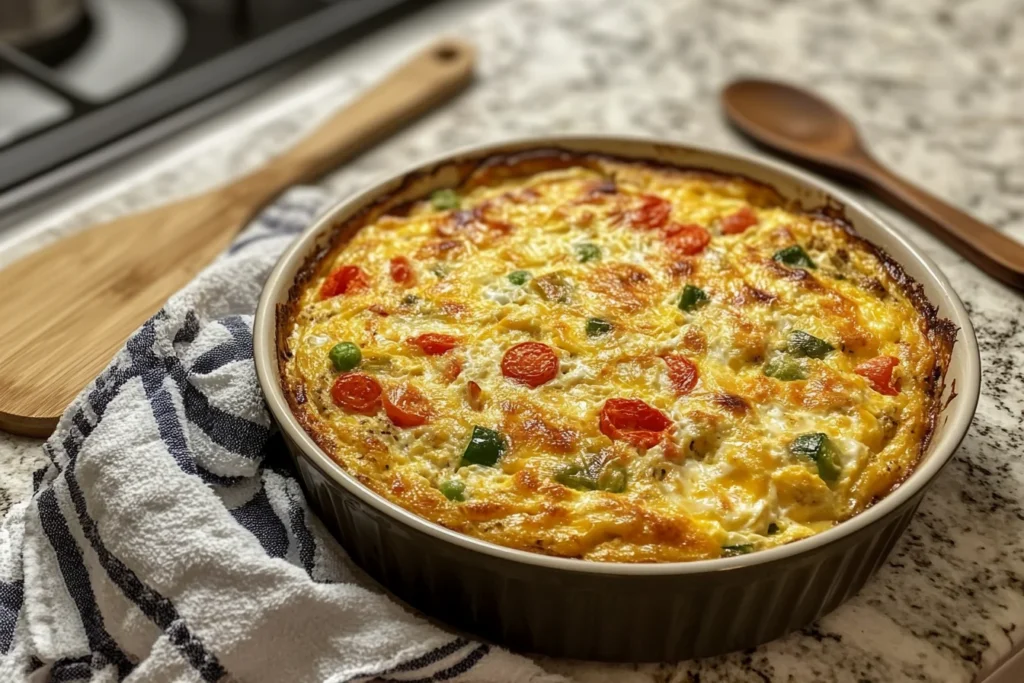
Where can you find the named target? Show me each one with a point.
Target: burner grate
(138, 61)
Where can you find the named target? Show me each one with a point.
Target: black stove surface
(130, 63)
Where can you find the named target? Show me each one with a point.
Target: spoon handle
(992, 251)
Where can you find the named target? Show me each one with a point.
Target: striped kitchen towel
(168, 539)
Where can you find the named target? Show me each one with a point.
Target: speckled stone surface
(938, 89)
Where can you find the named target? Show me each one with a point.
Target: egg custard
(615, 361)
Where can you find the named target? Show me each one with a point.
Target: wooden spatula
(66, 309)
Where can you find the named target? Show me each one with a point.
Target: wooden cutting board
(68, 308)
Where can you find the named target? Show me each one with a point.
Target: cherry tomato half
(686, 240)
(736, 223)
(405, 406)
(344, 279)
(357, 393)
(653, 213)
(633, 421)
(435, 344)
(531, 363)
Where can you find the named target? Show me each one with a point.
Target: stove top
(129, 63)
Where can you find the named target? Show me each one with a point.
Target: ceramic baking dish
(614, 611)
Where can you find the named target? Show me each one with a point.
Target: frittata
(615, 361)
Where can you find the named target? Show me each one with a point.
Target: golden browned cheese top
(657, 364)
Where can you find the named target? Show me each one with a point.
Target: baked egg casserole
(610, 360)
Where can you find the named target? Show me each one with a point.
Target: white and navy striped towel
(169, 541)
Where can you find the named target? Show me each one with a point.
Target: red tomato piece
(878, 371)
(633, 421)
(452, 369)
(343, 280)
(356, 393)
(686, 240)
(531, 363)
(405, 406)
(682, 373)
(653, 213)
(401, 271)
(434, 344)
(475, 395)
(736, 223)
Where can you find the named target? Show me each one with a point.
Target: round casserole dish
(606, 610)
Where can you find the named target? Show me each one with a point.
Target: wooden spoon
(804, 126)
(67, 309)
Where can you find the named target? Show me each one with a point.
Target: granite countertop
(938, 89)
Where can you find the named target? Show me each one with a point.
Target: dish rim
(940, 451)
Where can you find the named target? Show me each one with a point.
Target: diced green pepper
(453, 490)
(440, 270)
(817, 448)
(596, 327)
(587, 252)
(802, 344)
(613, 479)
(443, 200)
(692, 298)
(576, 477)
(739, 549)
(785, 368)
(410, 299)
(345, 356)
(519, 277)
(485, 447)
(794, 256)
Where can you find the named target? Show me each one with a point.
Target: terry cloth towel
(168, 539)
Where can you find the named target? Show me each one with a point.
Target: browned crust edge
(941, 332)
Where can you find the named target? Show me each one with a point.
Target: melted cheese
(723, 475)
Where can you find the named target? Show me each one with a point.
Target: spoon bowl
(790, 120)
